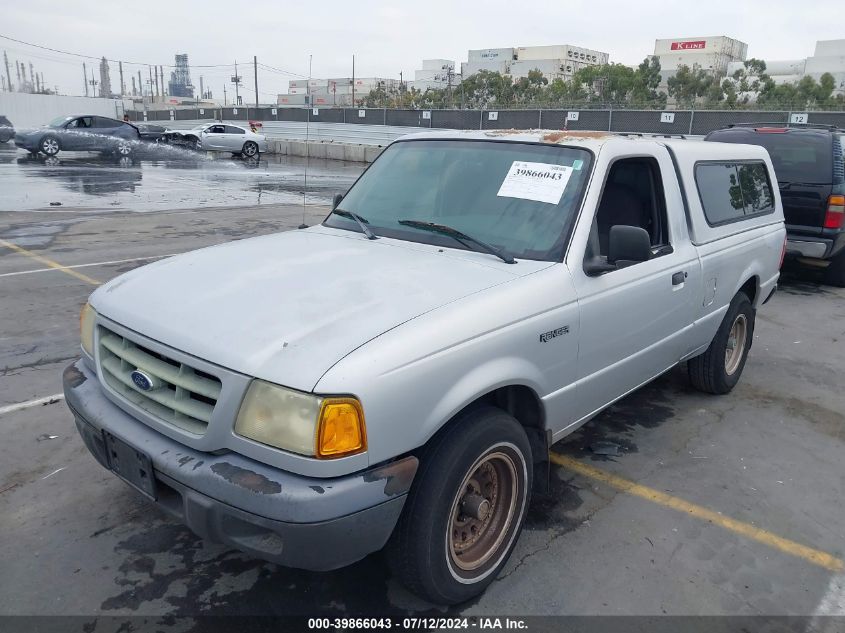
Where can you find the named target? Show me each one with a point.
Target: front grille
(186, 397)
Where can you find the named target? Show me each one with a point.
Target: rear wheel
(466, 508)
(835, 273)
(124, 147)
(49, 145)
(250, 149)
(718, 369)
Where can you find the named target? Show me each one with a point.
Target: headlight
(302, 423)
(86, 328)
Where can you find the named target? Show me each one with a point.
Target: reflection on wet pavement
(164, 178)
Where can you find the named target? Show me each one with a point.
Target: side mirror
(337, 198)
(628, 244)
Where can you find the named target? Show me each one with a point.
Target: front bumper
(305, 522)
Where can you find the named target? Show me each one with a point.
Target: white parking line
(114, 261)
(32, 403)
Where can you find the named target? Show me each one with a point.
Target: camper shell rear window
(731, 191)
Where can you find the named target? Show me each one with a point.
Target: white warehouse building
(712, 54)
(828, 57)
(555, 62)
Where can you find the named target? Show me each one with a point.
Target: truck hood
(286, 307)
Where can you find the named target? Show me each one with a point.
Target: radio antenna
(307, 136)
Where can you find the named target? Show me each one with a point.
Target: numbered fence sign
(315, 111)
(172, 115)
(426, 114)
(362, 114)
(798, 117)
(234, 110)
(572, 116)
(667, 117)
(274, 111)
(202, 111)
(492, 116)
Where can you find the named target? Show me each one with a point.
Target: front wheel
(718, 369)
(466, 508)
(49, 146)
(250, 149)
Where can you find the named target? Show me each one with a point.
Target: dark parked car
(7, 130)
(89, 133)
(811, 176)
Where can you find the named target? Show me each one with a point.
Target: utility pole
(18, 71)
(149, 68)
(202, 90)
(353, 81)
(236, 79)
(122, 85)
(161, 74)
(31, 77)
(140, 87)
(8, 73)
(255, 68)
(225, 102)
(85, 78)
(155, 68)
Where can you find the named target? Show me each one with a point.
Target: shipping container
(472, 68)
(491, 54)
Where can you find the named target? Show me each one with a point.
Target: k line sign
(688, 46)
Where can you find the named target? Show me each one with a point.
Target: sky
(386, 37)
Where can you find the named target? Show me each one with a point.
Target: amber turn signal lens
(342, 430)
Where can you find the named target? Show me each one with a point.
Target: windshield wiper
(361, 222)
(459, 236)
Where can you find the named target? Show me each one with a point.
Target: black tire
(49, 145)
(715, 371)
(835, 273)
(250, 149)
(484, 448)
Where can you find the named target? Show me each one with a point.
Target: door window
(231, 129)
(102, 122)
(217, 129)
(633, 196)
(83, 122)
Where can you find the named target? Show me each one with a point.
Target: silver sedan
(220, 137)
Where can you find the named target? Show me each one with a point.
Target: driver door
(634, 318)
(77, 136)
(213, 137)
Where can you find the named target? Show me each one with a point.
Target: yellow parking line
(50, 263)
(817, 557)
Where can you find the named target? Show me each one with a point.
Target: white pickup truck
(396, 375)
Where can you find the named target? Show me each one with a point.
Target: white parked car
(396, 374)
(219, 137)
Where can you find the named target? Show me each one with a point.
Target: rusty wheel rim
(736, 344)
(482, 511)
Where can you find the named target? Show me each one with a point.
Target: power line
(97, 57)
(279, 70)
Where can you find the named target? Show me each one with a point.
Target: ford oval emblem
(143, 381)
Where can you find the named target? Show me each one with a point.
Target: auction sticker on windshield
(542, 182)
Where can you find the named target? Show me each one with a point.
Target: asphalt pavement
(712, 505)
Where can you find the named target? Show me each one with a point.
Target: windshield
(59, 121)
(518, 197)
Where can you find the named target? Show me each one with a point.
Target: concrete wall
(29, 110)
(330, 151)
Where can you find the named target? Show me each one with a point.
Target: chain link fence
(674, 122)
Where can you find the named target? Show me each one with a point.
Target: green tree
(646, 81)
(689, 84)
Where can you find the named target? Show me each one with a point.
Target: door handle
(678, 278)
